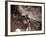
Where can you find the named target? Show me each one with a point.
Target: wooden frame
(6, 18)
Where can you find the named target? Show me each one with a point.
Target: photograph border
(6, 18)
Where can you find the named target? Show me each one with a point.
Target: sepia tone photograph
(25, 18)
